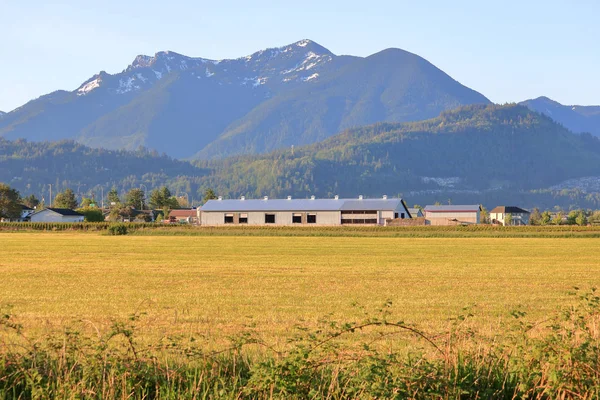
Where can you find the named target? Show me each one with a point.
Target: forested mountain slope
(475, 149)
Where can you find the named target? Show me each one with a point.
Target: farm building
(416, 212)
(298, 212)
(453, 215)
(518, 216)
(182, 217)
(56, 215)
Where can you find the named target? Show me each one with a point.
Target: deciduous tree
(9, 202)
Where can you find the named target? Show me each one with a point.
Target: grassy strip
(380, 231)
(557, 358)
(470, 231)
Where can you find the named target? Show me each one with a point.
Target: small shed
(453, 215)
(51, 214)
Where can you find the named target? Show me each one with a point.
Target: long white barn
(298, 212)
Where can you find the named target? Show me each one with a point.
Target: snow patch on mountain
(310, 78)
(89, 86)
(127, 85)
(158, 74)
(208, 73)
(260, 81)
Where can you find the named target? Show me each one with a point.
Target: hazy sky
(507, 50)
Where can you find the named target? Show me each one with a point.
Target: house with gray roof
(518, 216)
(453, 215)
(52, 214)
(303, 212)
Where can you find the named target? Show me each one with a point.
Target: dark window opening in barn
(269, 218)
(297, 218)
(243, 218)
(311, 219)
(402, 215)
(395, 215)
(229, 218)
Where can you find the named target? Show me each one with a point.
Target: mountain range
(194, 107)
(486, 154)
(576, 118)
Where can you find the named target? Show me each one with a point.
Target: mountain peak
(166, 61)
(93, 83)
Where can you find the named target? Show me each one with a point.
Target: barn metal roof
(301, 205)
(454, 208)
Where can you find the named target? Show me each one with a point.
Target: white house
(302, 212)
(26, 212)
(518, 216)
(57, 215)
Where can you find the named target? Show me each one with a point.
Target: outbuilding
(453, 215)
(182, 217)
(299, 212)
(57, 215)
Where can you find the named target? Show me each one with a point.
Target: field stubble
(216, 287)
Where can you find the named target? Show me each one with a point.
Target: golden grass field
(214, 286)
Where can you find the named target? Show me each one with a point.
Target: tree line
(129, 206)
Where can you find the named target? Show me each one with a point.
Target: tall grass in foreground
(556, 358)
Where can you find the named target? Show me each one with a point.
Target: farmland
(216, 285)
(212, 288)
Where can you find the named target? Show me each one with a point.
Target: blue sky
(507, 50)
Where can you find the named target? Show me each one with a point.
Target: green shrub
(91, 214)
(117, 229)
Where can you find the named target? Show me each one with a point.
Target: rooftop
(509, 210)
(454, 208)
(302, 205)
(64, 211)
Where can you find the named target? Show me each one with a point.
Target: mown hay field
(216, 287)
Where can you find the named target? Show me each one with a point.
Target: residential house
(24, 217)
(182, 217)
(52, 214)
(518, 216)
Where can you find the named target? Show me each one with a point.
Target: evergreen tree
(209, 194)
(136, 198)
(162, 198)
(66, 199)
(113, 197)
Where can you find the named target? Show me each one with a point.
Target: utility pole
(102, 200)
(50, 195)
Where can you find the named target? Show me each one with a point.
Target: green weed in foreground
(557, 358)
